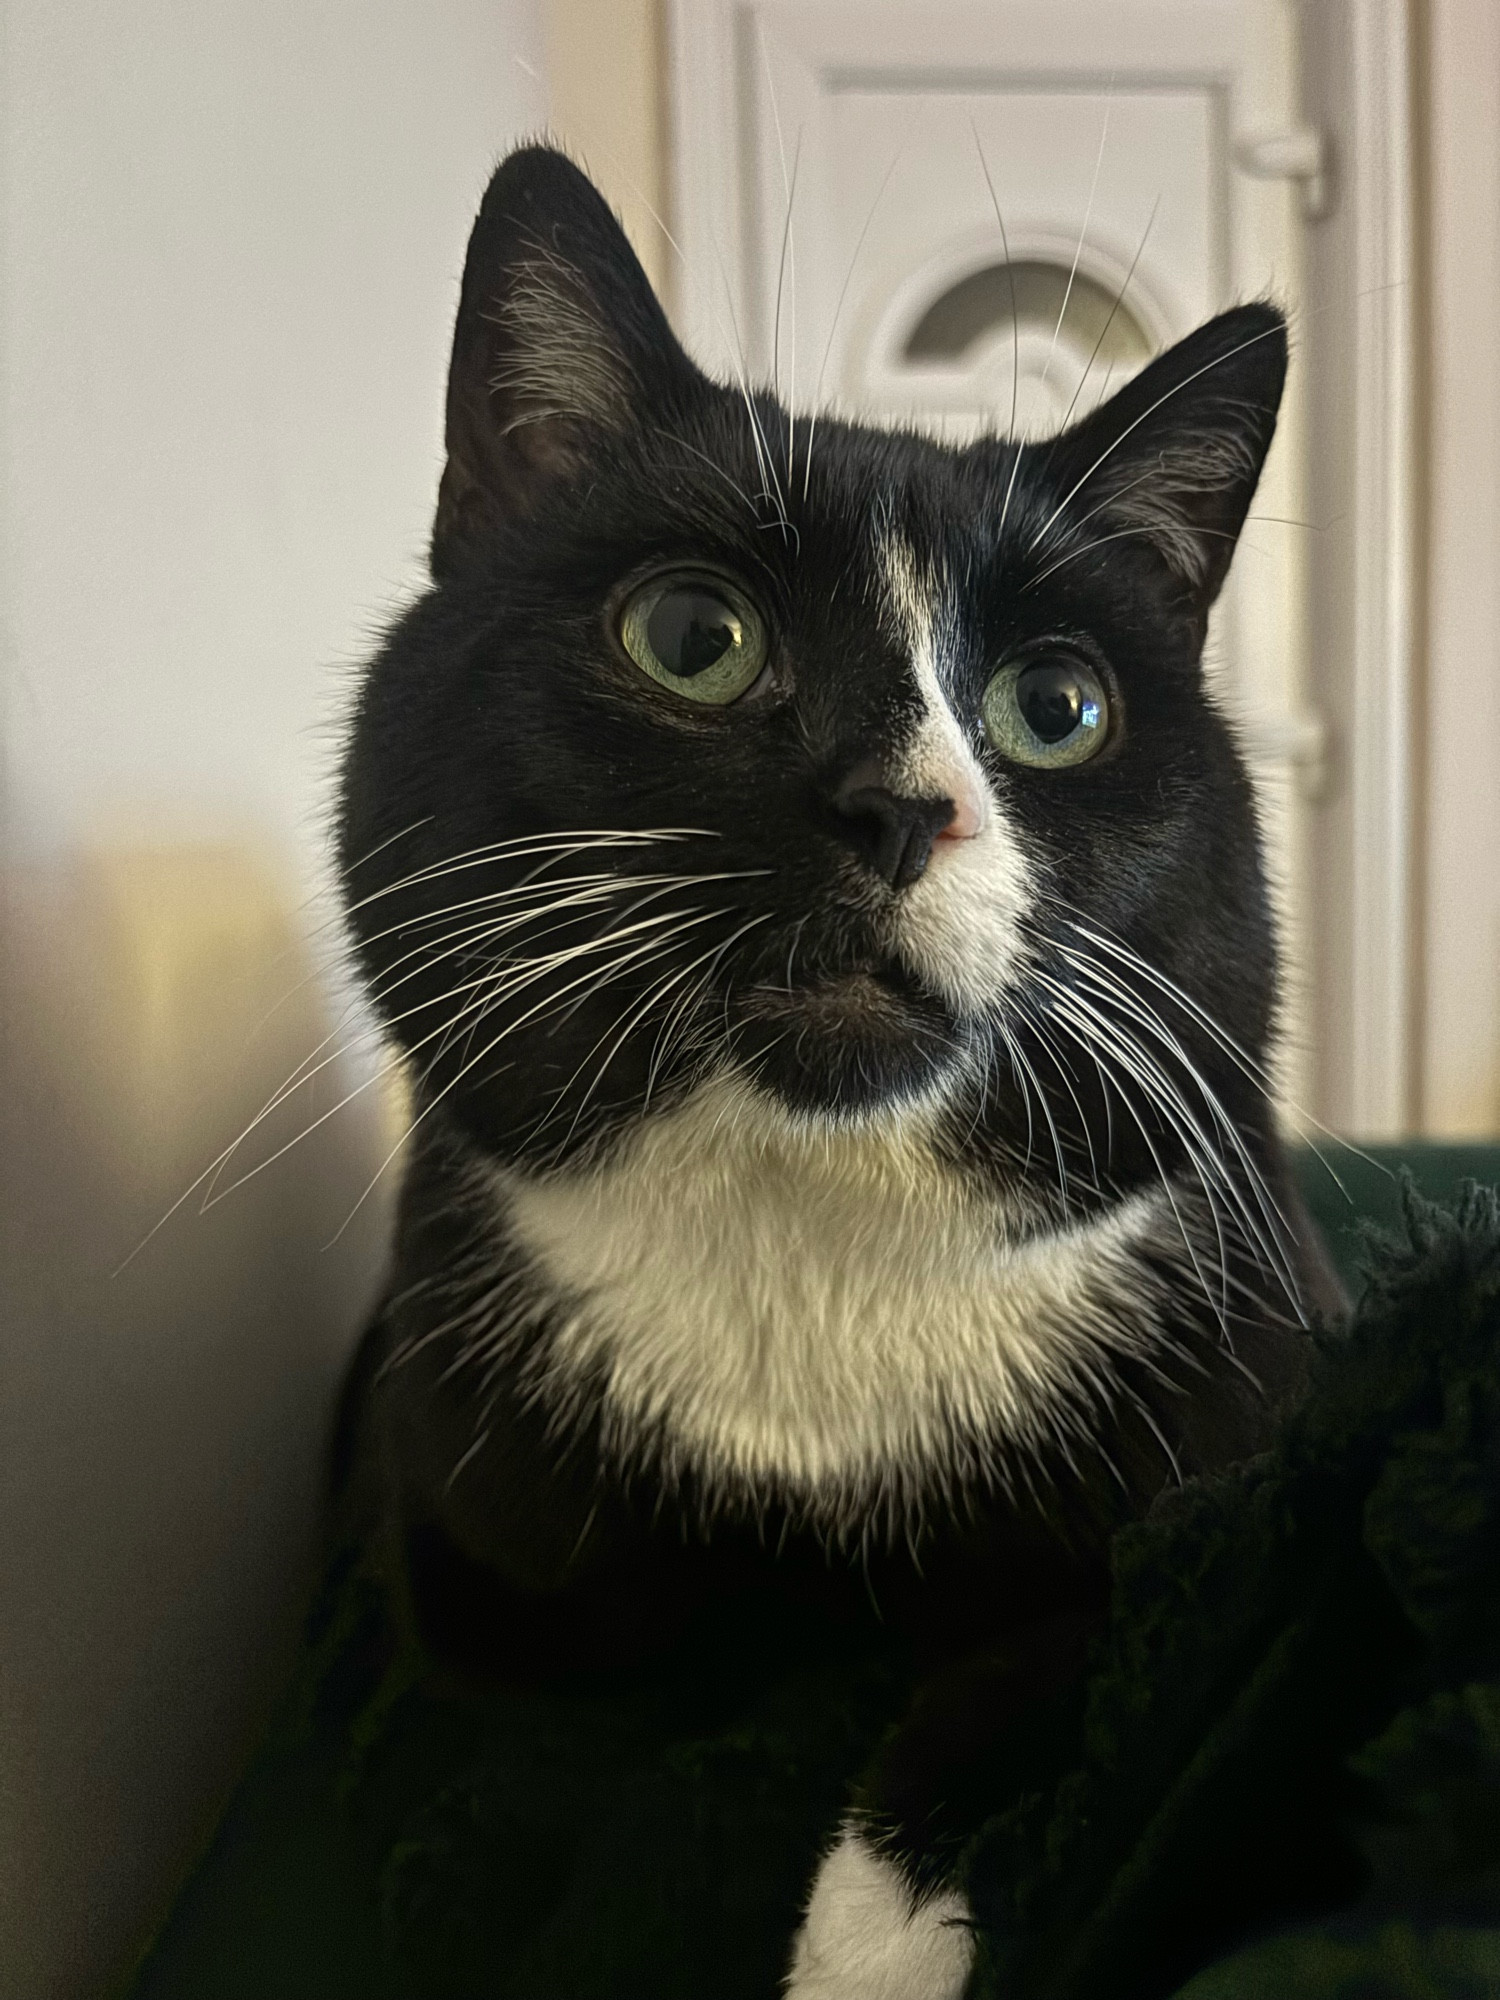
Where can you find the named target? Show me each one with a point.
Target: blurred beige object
(162, 1427)
(606, 79)
(1459, 1079)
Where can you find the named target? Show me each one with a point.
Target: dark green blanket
(1291, 1738)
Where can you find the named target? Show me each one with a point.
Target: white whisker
(1113, 313)
(510, 1028)
(834, 322)
(1088, 216)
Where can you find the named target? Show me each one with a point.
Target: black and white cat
(822, 911)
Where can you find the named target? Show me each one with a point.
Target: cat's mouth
(857, 988)
(847, 1039)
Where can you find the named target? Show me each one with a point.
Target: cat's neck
(773, 1305)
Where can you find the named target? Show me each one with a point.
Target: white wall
(231, 240)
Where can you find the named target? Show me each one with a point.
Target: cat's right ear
(559, 342)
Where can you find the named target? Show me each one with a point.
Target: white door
(888, 206)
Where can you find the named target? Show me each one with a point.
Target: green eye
(698, 636)
(1047, 711)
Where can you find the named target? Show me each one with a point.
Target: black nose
(890, 833)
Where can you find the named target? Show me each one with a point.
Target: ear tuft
(553, 359)
(559, 339)
(1176, 455)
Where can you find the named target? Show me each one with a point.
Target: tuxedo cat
(822, 913)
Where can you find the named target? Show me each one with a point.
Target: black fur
(586, 452)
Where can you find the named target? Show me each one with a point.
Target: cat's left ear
(559, 344)
(1174, 458)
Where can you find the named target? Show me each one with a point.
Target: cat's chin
(847, 1045)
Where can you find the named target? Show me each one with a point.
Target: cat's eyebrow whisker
(770, 483)
(768, 467)
(1088, 216)
(1109, 375)
(742, 376)
(1015, 333)
(834, 322)
(788, 241)
(762, 449)
(1113, 314)
(789, 192)
(713, 466)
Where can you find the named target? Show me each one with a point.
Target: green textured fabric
(1390, 1961)
(1348, 1193)
(1304, 1662)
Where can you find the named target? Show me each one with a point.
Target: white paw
(864, 1939)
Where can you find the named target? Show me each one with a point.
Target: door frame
(1362, 312)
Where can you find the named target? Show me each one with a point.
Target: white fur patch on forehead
(958, 926)
(786, 1309)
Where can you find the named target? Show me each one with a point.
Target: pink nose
(968, 808)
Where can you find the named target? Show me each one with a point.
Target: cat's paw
(864, 1938)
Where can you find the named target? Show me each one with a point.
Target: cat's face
(871, 768)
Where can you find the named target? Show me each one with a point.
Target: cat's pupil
(1050, 698)
(691, 630)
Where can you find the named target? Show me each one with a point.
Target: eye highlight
(698, 635)
(1047, 711)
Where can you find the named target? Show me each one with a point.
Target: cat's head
(876, 770)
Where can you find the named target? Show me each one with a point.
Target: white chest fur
(805, 1310)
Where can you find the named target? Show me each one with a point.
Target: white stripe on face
(958, 926)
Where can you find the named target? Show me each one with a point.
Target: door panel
(840, 170)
